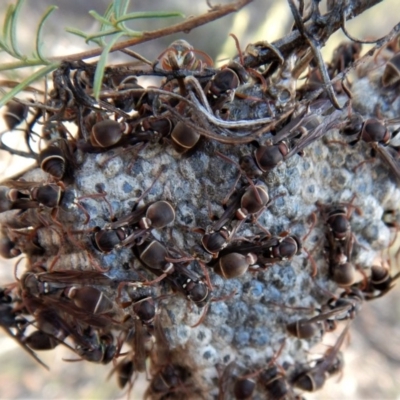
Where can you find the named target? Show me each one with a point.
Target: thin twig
(294, 41)
(186, 26)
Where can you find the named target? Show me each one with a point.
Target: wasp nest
(209, 231)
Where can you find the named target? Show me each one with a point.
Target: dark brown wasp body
(244, 388)
(122, 233)
(14, 324)
(109, 134)
(233, 265)
(379, 283)
(184, 138)
(192, 287)
(344, 55)
(153, 215)
(249, 201)
(8, 248)
(167, 380)
(181, 55)
(340, 241)
(39, 340)
(153, 256)
(347, 306)
(15, 113)
(304, 129)
(64, 287)
(221, 88)
(274, 382)
(375, 133)
(58, 161)
(314, 378)
(307, 328)
(58, 319)
(23, 195)
(381, 279)
(106, 240)
(269, 249)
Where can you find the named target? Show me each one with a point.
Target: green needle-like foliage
(112, 24)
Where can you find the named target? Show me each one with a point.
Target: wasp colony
(209, 231)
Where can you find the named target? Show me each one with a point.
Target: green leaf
(151, 14)
(22, 64)
(100, 18)
(6, 28)
(132, 33)
(13, 30)
(98, 76)
(28, 81)
(77, 32)
(39, 31)
(98, 35)
(120, 7)
(103, 27)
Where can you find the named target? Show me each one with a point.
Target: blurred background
(372, 355)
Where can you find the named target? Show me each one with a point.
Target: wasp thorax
(224, 81)
(106, 240)
(375, 131)
(214, 242)
(48, 195)
(268, 157)
(196, 291)
(158, 125)
(145, 310)
(339, 224)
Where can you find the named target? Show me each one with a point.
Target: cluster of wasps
(196, 104)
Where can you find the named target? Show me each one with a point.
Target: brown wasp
(71, 292)
(13, 323)
(293, 138)
(181, 55)
(375, 133)
(268, 249)
(314, 378)
(250, 201)
(340, 241)
(154, 255)
(379, 283)
(121, 233)
(23, 195)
